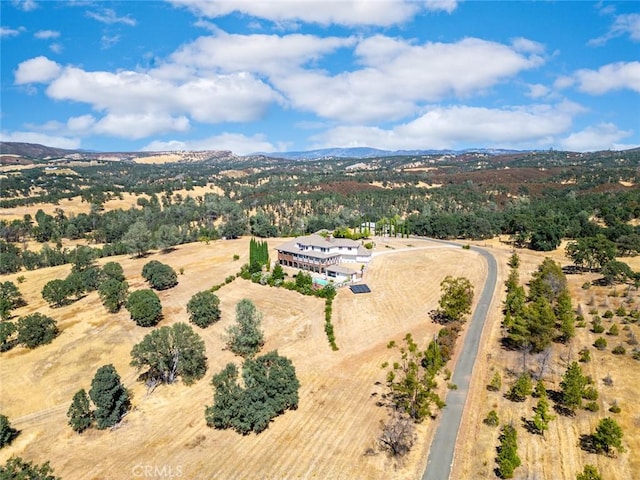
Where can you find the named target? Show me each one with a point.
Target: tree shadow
(529, 426)
(166, 251)
(588, 444)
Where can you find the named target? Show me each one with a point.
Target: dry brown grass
(557, 454)
(326, 437)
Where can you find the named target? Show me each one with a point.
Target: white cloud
(628, 24)
(441, 5)
(36, 70)
(139, 125)
(237, 143)
(396, 76)
(614, 76)
(110, 17)
(25, 5)
(525, 45)
(462, 126)
(108, 41)
(56, 48)
(42, 139)
(266, 54)
(604, 136)
(538, 90)
(6, 32)
(342, 12)
(46, 34)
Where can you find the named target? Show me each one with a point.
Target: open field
(326, 437)
(75, 205)
(557, 454)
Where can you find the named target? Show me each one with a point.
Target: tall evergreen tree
(109, 396)
(572, 385)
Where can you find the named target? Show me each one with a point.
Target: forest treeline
(535, 200)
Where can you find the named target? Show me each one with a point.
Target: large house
(323, 255)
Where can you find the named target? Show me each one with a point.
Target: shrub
(144, 307)
(619, 350)
(508, 459)
(585, 355)
(36, 329)
(590, 393)
(608, 314)
(18, 469)
(491, 419)
(521, 389)
(592, 406)
(496, 382)
(613, 330)
(600, 343)
(615, 408)
(79, 413)
(589, 473)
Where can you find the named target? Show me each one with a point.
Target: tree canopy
(245, 337)
(204, 309)
(456, 299)
(109, 396)
(270, 388)
(144, 307)
(171, 352)
(36, 329)
(159, 275)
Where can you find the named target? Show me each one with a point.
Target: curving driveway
(440, 458)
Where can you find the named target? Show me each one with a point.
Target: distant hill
(33, 150)
(365, 152)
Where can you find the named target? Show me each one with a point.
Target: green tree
(18, 469)
(410, 383)
(565, 316)
(57, 292)
(616, 272)
(167, 237)
(508, 459)
(204, 309)
(113, 270)
(541, 321)
(79, 413)
(591, 252)
(608, 434)
(83, 257)
(36, 329)
(137, 239)
(10, 298)
(245, 338)
(589, 473)
(456, 299)
(270, 388)
(169, 352)
(144, 307)
(521, 389)
(542, 415)
(496, 382)
(572, 387)
(113, 294)
(7, 432)
(548, 281)
(159, 275)
(7, 331)
(109, 396)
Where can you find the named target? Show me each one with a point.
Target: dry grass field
(75, 205)
(557, 455)
(337, 421)
(327, 437)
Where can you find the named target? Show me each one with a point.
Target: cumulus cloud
(451, 127)
(614, 76)
(604, 136)
(235, 142)
(265, 54)
(628, 24)
(139, 125)
(397, 75)
(323, 12)
(36, 70)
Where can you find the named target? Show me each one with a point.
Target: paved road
(440, 458)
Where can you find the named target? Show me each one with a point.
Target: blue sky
(275, 75)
